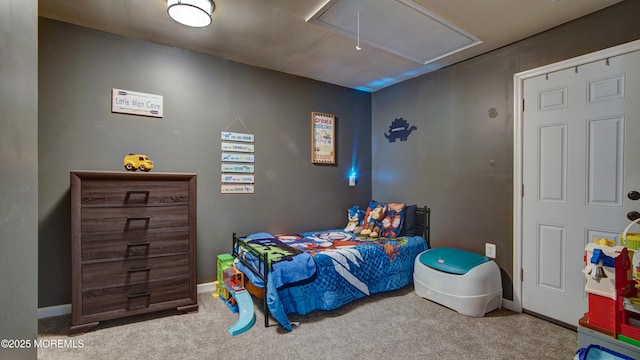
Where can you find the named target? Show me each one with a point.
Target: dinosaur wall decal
(399, 129)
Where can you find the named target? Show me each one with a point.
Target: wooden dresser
(133, 245)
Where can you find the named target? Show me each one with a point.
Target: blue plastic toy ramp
(247, 317)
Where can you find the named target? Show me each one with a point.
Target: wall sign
(237, 168)
(227, 146)
(323, 147)
(240, 137)
(235, 157)
(237, 189)
(237, 178)
(136, 103)
(237, 161)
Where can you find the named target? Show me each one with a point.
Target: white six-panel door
(580, 158)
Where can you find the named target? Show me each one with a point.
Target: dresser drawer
(126, 272)
(131, 193)
(134, 297)
(134, 244)
(134, 218)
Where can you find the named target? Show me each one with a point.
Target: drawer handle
(132, 244)
(140, 269)
(137, 192)
(137, 218)
(135, 296)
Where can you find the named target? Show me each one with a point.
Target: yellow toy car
(133, 162)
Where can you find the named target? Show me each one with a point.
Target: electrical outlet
(490, 250)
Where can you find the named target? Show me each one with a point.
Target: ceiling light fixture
(194, 13)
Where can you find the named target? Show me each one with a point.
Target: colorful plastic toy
(223, 262)
(240, 299)
(611, 292)
(133, 162)
(605, 241)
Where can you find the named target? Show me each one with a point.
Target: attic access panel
(400, 27)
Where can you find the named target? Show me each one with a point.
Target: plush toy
(373, 222)
(355, 219)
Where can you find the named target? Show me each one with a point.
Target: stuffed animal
(373, 222)
(355, 219)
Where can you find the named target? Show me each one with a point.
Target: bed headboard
(423, 223)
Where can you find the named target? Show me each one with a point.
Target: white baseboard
(65, 309)
(52, 311)
(509, 305)
(209, 287)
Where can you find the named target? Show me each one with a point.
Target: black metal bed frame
(263, 275)
(423, 225)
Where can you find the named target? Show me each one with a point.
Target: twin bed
(324, 270)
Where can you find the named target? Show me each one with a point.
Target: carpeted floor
(397, 324)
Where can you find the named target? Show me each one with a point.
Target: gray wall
(202, 96)
(460, 159)
(19, 180)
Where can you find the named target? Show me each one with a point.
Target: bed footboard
(262, 273)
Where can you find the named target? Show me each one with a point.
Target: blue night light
(353, 177)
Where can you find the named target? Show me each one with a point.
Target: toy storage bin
(630, 240)
(458, 279)
(598, 352)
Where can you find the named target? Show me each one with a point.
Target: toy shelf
(629, 326)
(628, 305)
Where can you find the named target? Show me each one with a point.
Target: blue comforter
(346, 268)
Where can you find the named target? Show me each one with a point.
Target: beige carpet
(398, 325)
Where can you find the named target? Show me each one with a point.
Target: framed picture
(323, 147)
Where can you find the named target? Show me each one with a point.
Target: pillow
(409, 225)
(392, 220)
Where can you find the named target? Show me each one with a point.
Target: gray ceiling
(317, 39)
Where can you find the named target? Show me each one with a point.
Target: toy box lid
(454, 261)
